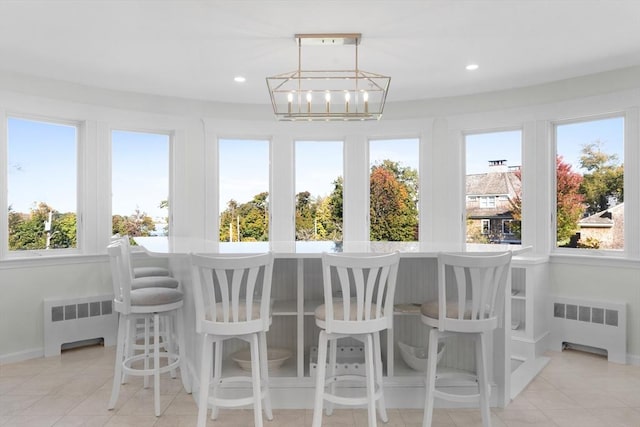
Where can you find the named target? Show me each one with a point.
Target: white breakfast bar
(297, 291)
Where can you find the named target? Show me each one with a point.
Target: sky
(317, 165)
(482, 147)
(140, 172)
(42, 167)
(42, 158)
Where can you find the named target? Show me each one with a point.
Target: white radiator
(69, 321)
(599, 324)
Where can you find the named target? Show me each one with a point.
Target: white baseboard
(632, 359)
(21, 356)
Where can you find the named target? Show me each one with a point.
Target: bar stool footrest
(349, 400)
(127, 369)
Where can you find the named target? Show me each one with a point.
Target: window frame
(420, 192)
(171, 134)
(465, 132)
(81, 126)
(627, 251)
(221, 208)
(294, 183)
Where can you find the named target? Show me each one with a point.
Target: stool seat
(154, 297)
(154, 282)
(432, 309)
(242, 313)
(150, 271)
(320, 312)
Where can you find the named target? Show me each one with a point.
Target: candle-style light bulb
(327, 97)
(309, 97)
(347, 98)
(289, 101)
(365, 97)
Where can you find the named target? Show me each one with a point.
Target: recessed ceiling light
(239, 79)
(471, 67)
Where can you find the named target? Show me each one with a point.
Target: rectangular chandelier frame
(328, 95)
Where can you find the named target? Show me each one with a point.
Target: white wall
(438, 123)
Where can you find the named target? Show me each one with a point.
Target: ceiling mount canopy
(324, 95)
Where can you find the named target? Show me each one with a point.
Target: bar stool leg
(255, 379)
(117, 375)
(216, 376)
(432, 354)
(205, 374)
(168, 339)
(156, 363)
(377, 351)
(146, 347)
(184, 370)
(483, 386)
(320, 378)
(264, 372)
(333, 350)
(370, 373)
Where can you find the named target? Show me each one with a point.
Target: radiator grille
(598, 324)
(71, 320)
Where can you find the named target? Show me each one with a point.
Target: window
(506, 226)
(319, 172)
(393, 186)
(493, 186)
(42, 184)
(140, 183)
(590, 184)
(486, 226)
(244, 190)
(487, 201)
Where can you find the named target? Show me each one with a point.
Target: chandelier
(324, 95)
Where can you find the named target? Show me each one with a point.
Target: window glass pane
(319, 190)
(244, 190)
(393, 185)
(493, 187)
(140, 183)
(42, 185)
(590, 184)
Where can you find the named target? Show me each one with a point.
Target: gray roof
(602, 218)
(493, 183)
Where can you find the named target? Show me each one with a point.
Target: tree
(27, 230)
(305, 210)
(393, 202)
(603, 185)
(570, 203)
(246, 222)
(254, 223)
(136, 224)
(228, 222)
(516, 211)
(334, 205)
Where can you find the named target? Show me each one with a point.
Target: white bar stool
(367, 285)
(232, 299)
(151, 303)
(471, 291)
(139, 271)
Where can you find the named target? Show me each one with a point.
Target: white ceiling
(193, 49)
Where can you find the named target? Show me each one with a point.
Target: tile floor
(575, 389)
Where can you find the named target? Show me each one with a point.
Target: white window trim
(631, 157)
(81, 127)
